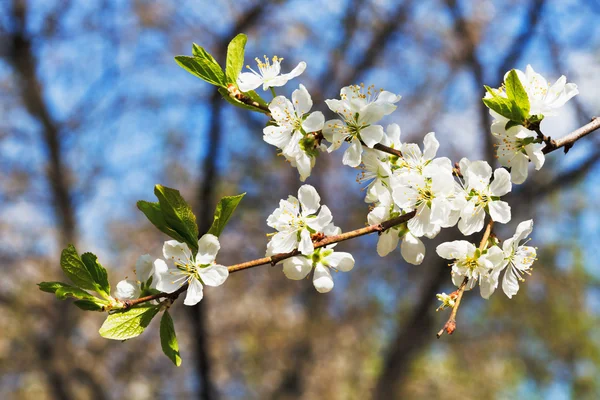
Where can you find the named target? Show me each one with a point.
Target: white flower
(446, 299)
(359, 111)
(412, 248)
(377, 166)
(517, 259)
(516, 147)
(472, 263)
(481, 195)
(128, 289)
(321, 260)
(413, 160)
(544, 98)
(430, 191)
(296, 219)
(269, 75)
(195, 270)
(294, 132)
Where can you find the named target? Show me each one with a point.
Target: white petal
(499, 211)
(352, 155)
(304, 164)
(412, 249)
(471, 220)
(277, 136)
(301, 100)
(314, 122)
(309, 199)
(296, 268)
(510, 282)
(341, 261)
(430, 146)
(127, 290)
(478, 175)
(299, 69)
(213, 275)
(249, 81)
(501, 184)
(208, 247)
(457, 249)
(177, 252)
(488, 285)
(323, 219)
(194, 293)
(519, 165)
(387, 242)
(371, 135)
(524, 229)
(440, 211)
(171, 280)
(420, 225)
(305, 246)
(284, 242)
(144, 268)
(322, 279)
(534, 151)
(159, 267)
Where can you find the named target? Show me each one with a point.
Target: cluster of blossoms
(187, 268)
(404, 180)
(401, 178)
(517, 145)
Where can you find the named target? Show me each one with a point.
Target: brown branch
(385, 225)
(450, 325)
(570, 139)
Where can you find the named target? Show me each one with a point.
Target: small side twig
(450, 325)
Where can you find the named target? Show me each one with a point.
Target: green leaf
(235, 57)
(203, 65)
(90, 305)
(232, 100)
(503, 106)
(127, 324)
(516, 93)
(63, 290)
(225, 209)
(98, 273)
(178, 215)
(154, 214)
(168, 339)
(82, 275)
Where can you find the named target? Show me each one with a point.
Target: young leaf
(127, 324)
(516, 92)
(77, 270)
(225, 209)
(178, 215)
(203, 65)
(62, 290)
(235, 57)
(90, 305)
(154, 214)
(168, 339)
(98, 273)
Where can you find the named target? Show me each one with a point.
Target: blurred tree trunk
(206, 203)
(53, 346)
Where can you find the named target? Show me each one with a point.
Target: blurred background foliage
(95, 112)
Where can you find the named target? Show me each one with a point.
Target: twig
(385, 225)
(568, 140)
(450, 325)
